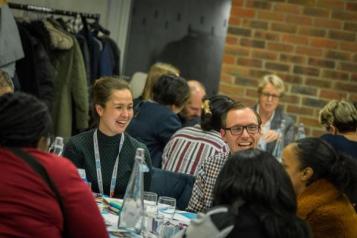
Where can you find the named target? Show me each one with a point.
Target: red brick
(269, 15)
(349, 87)
(234, 21)
(323, 43)
(316, 12)
(354, 78)
(258, 4)
(280, 47)
(255, 24)
(292, 79)
(351, 6)
(293, 99)
(277, 66)
(350, 26)
(318, 82)
(311, 71)
(231, 69)
(348, 46)
(321, 63)
(313, 102)
(262, 54)
(239, 31)
(287, 8)
(294, 39)
(231, 40)
(338, 55)
(332, 94)
(246, 81)
(353, 97)
(303, 2)
(304, 30)
(350, 67)
(229, 59)
(236, 50)
(230, 89)
(283, 27)
(335, 75)
(331, 4)
(242, 12)
(328, 23)
(341, 35)
(305, 90)
(252, 43)
(258, 73)
(246, 101)
(344, 15)
(251, 93)
(249, 62)
(292, 58)
(237, 2)
(267, 35)
(226, 78)
(299, 110)
(300, 20)
(309, 51)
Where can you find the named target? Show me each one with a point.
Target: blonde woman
(340, 120)
(270, 89)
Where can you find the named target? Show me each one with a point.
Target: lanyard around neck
(98, 166)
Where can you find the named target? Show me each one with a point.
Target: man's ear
(223, 133)
(42, 144)
(99, 109)
(307, 173)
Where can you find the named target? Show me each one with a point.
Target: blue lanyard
(98, 166)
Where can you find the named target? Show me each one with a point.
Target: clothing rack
(33, 8)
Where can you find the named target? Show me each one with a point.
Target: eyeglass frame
(268, 95)
(243, 127)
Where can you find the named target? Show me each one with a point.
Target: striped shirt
(189, 146)
(202, 193)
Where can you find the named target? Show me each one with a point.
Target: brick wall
(311, 44)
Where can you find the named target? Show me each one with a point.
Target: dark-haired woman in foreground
(325, 183)
(253, 198)
(29, 206)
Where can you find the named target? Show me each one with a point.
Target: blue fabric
(341, 144)
(153, 124)
(171, 184)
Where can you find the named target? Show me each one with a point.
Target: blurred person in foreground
(241, 131)
(270, 89)
(52, 203)
(253, 198)
(340, 121)
(191, 112)
(326, 185)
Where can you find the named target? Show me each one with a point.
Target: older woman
(340, 120)
(270, 90)
(326, 184)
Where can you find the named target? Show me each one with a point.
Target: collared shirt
(188, 147)
(202, 193)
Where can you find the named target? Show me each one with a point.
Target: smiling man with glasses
(270, 90)
(241, 131)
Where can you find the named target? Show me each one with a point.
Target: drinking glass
(150, 212)
(166, 207)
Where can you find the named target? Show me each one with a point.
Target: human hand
(270, 136)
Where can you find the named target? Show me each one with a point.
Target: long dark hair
(257, 178)
(327, 163)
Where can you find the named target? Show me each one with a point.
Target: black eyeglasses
(238, 130)
(268, 95)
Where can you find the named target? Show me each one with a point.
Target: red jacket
(28, 207)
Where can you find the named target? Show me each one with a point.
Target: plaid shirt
(202, 194)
